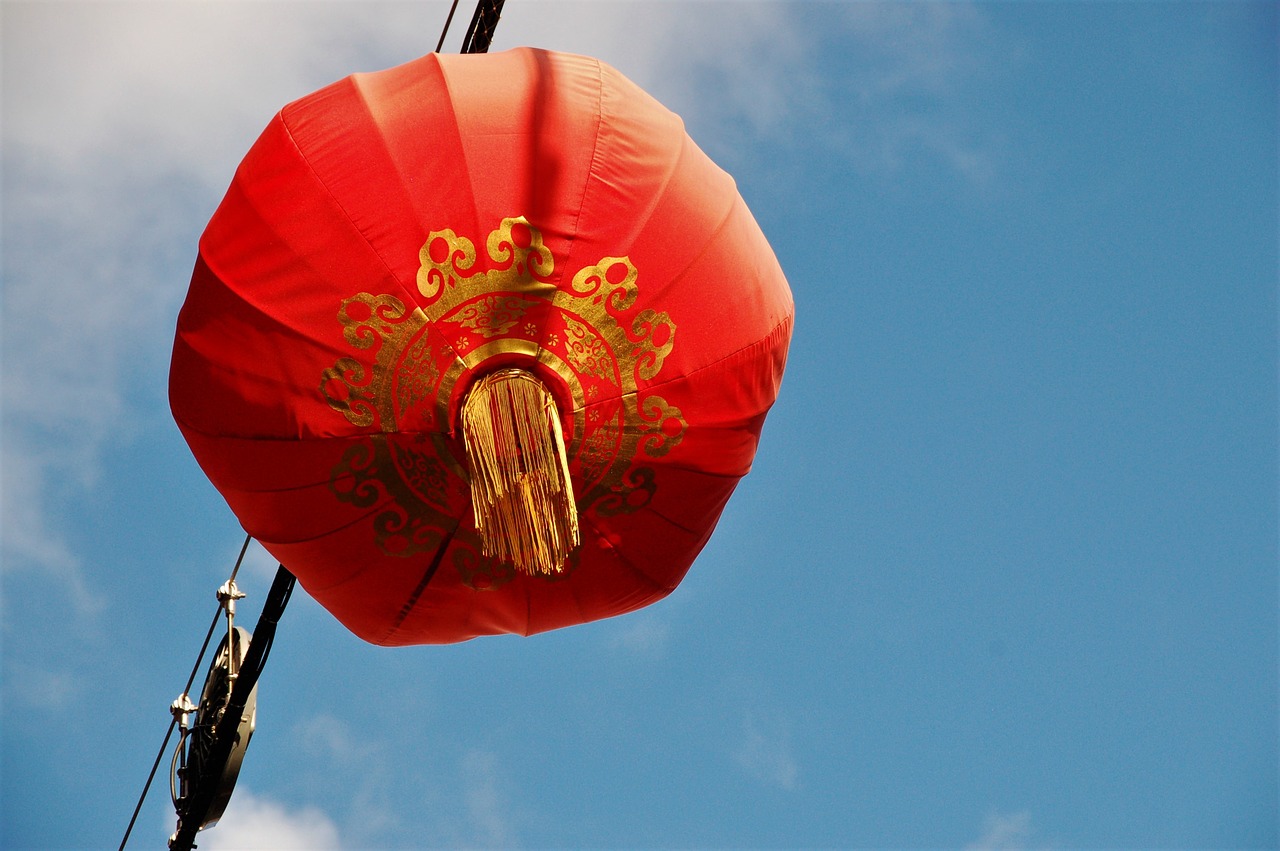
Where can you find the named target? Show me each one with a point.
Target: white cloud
(472, 808)
(251, 823)
(330, 737)
(27, 540)
(26, 685)
(643, 634)
(892, 103)
(486, 802)
(468, 805)
(338, 749)
(83, 313)
(116, 149)
(1005, 832)
(765, 753)
(182, 82)
(750, 70)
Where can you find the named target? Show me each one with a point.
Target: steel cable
(186, 691)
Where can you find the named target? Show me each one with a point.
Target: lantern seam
(628, 563)
(661, 194)
(471, 189)
(591, 169)
(673, 166)
(186, 425)
(766, 339)
(476, 227)
(415, 596)
(311, 584)
(302, 156)
(411, 295)
(675, 279)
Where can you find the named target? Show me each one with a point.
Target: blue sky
(1004, 575)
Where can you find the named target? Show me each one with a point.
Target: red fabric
(329, 335)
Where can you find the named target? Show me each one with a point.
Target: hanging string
(195, 669)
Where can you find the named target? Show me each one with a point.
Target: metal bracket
(228, 593)
(209, 791)
(181, 710)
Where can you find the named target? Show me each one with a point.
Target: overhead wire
(173, 721)
(192, 815)
(447, 21)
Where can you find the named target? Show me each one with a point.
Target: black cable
(217, 616)
(483, 23)
(243, 549)
(147, 787)
(447, 21)
(190, 821)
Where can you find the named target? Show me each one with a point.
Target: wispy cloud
(467, 803)
(335, 747)
(643, 634)
(258, 563)
(114, 156)
(891, 102)
(474, 807)
(32, 687)
(327, 737)
(486, 801)
(253, 823)
(898, 103)
(83, 305)
(27, 540)
(764, 753)
(1005, 832)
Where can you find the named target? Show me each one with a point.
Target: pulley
(195, 760)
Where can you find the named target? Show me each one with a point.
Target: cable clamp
(181, 710)
(228, 593)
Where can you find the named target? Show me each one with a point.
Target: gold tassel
(520, 487)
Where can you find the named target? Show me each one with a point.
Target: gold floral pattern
(402, 385)
(494, 315)
(587, 352)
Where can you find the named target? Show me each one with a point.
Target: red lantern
(506, 280)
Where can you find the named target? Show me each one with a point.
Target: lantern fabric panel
(395, 236)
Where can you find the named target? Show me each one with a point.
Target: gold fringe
(520, 487)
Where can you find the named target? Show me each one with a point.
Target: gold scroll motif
(587, 352)
(399, 382)
(493, 315)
